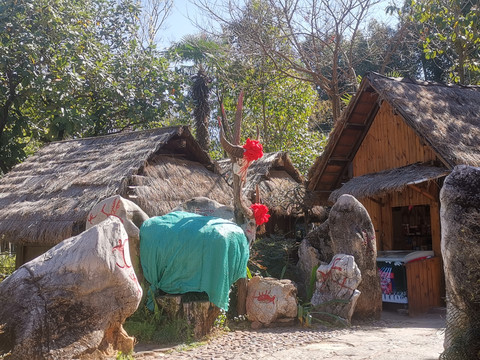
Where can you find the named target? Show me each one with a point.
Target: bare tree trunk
(242, 296)
(200, 94)
(239, 219)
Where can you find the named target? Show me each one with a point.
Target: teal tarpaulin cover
(183, 252)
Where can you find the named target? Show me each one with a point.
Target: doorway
(411, 228)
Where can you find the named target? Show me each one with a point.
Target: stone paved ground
(395, 337)
(244, 344)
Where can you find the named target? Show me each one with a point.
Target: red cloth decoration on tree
(260, 212)
(253, 150)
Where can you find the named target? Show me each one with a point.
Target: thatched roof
(280, 183)
(47, 198)
(445, 117)
(383, 182)
(166, 182)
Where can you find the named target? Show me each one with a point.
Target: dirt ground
(395, 336)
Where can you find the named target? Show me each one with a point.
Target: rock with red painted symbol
(131, 216)
(336, 288)
(351, 232)
(73, 299)
(269, 300)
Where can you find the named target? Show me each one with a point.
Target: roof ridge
(119, 134)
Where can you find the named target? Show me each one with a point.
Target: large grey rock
(270, 300)
(460, 220)
(316, 248)
(336, 287)
(73, 299)
(320, 239)
(308, 259)
(352, 233)
(131, 216)
(206, 207)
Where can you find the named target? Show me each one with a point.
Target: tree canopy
(74, 68)
(451, 30)
(86, 68)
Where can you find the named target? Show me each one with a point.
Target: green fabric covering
(183, 252)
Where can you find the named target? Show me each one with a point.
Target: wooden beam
(379, 202)
(355, 126)
(424, 193)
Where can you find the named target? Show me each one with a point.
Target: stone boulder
(336, 287)
(316, 248)
(352, 233)
(308, 259)
(460, 243)
(131, 216)
(206, 207)
(270, 300)
(319, 238)
(71, 301)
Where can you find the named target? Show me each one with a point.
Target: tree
(152, 19)
(451, 30)
(280, 107)
(74, 68)
(200, 94)
(310, 41)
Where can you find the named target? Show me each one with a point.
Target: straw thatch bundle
(280, 183)
(47, 198)
(383, 182)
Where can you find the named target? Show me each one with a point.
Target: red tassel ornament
(260, 212)
(253, 150)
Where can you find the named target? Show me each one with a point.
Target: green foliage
(7, 265)
(72, 69)
(157, 327)
(280, 109)
(273, 256)
(311, 283)
(122, 356)
(451, 29)
(221, 320)
(308, 314)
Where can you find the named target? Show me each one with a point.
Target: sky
(179, 24)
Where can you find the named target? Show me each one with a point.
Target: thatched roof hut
(394, 145)
(47, 198)
(446, 119)
(277, 178)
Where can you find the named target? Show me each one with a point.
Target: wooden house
(46, 199)
(281, 189)
(394, 145)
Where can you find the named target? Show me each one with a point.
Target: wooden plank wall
(380, 211)
(425, 287)
(389, 143)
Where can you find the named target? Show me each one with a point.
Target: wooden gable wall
(389, 143)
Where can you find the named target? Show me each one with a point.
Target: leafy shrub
(7, 265)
